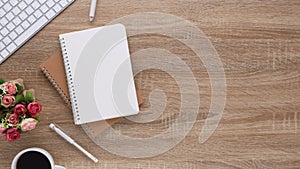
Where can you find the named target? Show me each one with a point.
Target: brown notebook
(54, 70)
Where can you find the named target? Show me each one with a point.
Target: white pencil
(70, 140)
(93, 9)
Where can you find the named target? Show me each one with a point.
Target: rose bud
(30, 90)
(7, 100)
(34, 108)
(2, 129)
(13, 119)
(19, 110)
(28, 124)
(12, 134)
(11, 88)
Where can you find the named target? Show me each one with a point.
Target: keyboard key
(2, 12)
(4, 53)
(25, 24)
(28, 1)
(63, 3)
(29, 10)
(11, 47)
(5, 1)
(10, 26)
(31, 19)
(7, 7)
(1, 46)
(17, 20)
(44, 8)
(22, 5)
(35, 5)
(50, 3)
(19, 29)
(37, 13)
(6, 40)
(33, 28)
(4, 31)
(3, 21)
(23, 15)
(13, 2)
(50, 14)
(12, 35)
(16, 10)
(9, 16)
(57, 8)
(42, 1)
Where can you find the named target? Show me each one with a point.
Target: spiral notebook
(99, 73)
(53, 69)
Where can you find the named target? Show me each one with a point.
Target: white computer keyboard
(22, 19)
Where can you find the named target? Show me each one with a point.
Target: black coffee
(33, 160)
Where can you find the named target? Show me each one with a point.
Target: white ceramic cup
(44, 152)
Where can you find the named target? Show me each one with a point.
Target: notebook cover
(53, 68)
(99, 73)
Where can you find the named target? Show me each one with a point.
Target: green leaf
(2, 81)
(29, 97)
(2, 117)
(5, 109)
(19, 88)
(19, 99)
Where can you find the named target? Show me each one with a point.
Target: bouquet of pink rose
(18, 109)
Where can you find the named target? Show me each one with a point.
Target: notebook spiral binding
(56, 86)
(73, 98)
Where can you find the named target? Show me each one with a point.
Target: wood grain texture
(259, 45)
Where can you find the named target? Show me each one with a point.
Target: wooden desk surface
(259, 45)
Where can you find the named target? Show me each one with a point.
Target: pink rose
(13, 119)
(11, 88)
(7, 100)
(28, 124)
(2, 129)
(12, 134)
(34, 108)
(19, 110)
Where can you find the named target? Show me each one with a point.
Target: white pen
(93, 9)
(70, 140)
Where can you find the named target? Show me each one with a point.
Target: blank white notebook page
(99, 73)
